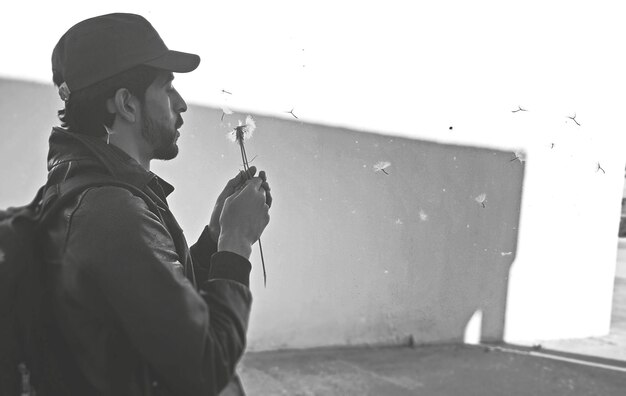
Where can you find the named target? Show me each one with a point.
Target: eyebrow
(169, 78)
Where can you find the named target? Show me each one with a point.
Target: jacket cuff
(229, 265)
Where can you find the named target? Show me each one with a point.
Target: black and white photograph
(327, 198)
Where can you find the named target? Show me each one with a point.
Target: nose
(180, 104)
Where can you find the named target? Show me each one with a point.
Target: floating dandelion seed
(506, 253)
(519, 108)
(399, 222)
(600, 168)
(423, 215)
(291, 112)
(226, 92)
(574, 119)
(225, 110)
(481, 199)
(520, 156)
(381, 166)
(109, 133)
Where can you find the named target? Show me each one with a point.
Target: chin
(166, 153)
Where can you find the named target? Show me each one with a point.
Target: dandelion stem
(246, 167)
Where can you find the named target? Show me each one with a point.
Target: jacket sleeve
(191, 340)
(201, 253)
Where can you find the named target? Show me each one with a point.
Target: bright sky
(405, 67)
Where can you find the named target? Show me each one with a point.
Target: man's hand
(234, 185)
(244, 217)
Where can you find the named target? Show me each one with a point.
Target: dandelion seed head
(481, 198)
(379, 166)
(243, 131)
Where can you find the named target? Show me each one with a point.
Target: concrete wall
(353, 256)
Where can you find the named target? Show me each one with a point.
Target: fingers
(239, 182)
(251, 171)
(241, 177)
(265, 185)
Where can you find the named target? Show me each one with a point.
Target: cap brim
(175, 61)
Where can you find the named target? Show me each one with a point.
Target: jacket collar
(84, 152)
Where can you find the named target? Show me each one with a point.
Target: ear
(125, 105)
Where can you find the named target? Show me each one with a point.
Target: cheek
(162, 111)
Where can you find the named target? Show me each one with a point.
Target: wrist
(235, 245)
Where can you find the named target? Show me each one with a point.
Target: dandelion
(381, 166)
(481, 199)
(238, 135)
(243, 131)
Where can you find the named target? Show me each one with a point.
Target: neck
(125, 142)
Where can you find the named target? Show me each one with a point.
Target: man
(135, 311)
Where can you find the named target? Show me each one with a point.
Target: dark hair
(86, 112)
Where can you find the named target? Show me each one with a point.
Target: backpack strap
(56, 197)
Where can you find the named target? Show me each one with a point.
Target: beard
(162, 137)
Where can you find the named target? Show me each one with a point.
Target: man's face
(161, 117)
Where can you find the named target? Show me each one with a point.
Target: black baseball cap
(101, 47)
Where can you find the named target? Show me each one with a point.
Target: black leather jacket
(129, 319)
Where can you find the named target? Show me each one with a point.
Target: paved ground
(595, 366)
(433, 371)
(574, 368)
